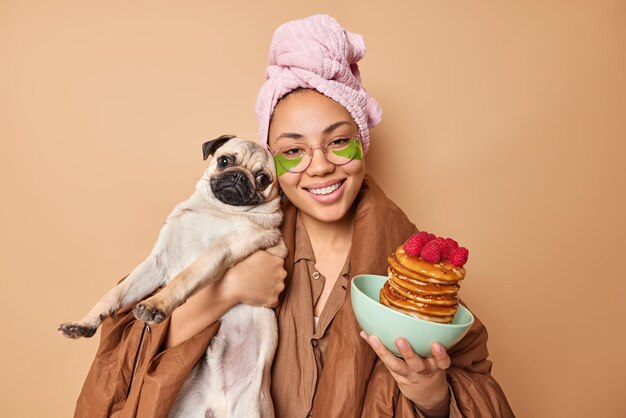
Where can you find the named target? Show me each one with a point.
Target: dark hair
(296, 90)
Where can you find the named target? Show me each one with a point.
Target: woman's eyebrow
(334, 126)
(291, 135)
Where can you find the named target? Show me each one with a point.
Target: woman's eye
(292, 152)
(339, 142)
(223, 162)
(262, 179)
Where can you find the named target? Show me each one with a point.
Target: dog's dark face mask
(234, 188)
(232, 185)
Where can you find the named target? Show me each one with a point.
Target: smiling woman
(333, 216)
(315, 116)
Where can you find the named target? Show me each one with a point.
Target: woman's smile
(328, 190)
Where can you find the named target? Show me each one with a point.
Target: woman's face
(323, 191)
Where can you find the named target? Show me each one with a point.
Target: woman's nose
(319, 164)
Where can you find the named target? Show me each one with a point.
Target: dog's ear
(209, 147)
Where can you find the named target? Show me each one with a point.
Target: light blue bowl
(388, 324)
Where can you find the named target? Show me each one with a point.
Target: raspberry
(458, 257)
(452, 244)
(423, 236)
(413, 245)
(431, 252)
(431, 237)
(445, 250)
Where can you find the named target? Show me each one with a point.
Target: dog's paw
(149, 313)
(73, 330)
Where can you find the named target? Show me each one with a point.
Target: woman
(315, 116)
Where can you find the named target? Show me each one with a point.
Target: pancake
(390, 298)
(441, 297)
(421, 289)
(443, 272)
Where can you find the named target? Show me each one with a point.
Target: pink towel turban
(317, 53)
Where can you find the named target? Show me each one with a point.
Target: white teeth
(325, 190)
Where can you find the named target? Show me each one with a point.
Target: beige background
(504, 127)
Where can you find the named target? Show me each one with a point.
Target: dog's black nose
(237, 176)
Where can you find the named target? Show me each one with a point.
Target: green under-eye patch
(353, 150)
(283, 164)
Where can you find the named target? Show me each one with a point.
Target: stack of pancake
(422, 289)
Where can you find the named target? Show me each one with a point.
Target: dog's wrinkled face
(240, 173)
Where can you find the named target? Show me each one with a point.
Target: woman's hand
(258, 280)
(421, 380)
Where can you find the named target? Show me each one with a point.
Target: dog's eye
(223, 162)
(262, 179)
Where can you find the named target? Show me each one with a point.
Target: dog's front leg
(142, 281)
(208, 267)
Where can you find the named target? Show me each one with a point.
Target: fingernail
(437, 348)
(401, 344)
(374, 342)
(363, 335)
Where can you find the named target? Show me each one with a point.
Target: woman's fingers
(256, 280)
(440, 357)
(410, 362)
(393, 363)
(414, 362)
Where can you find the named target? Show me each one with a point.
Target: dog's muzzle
(234, 188)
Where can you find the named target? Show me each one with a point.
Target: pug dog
(233, 212)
